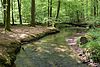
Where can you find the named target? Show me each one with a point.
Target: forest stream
(50, 51)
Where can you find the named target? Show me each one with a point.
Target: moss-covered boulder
(8, 55)
(83, 40)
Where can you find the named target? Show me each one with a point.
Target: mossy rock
(4, 56)
(8, 54)
(83, 40)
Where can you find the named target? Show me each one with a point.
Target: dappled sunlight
(57, 49)
(42, 41)
(53, 45)
(39, 50)
(48, 53)
(23, 36)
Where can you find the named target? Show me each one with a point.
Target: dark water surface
(50, 51)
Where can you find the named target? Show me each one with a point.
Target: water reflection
(50, 51)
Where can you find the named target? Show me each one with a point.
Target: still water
(50, 51)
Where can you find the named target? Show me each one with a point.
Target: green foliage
(70, 11)
(94, 47)
(95, 55)
(94, 44)
(51, 21)
(26, 8)
(93, 33)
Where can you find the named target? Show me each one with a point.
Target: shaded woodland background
(49, 12)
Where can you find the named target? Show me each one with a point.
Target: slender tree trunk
(4, 7)
(50, 8)
(7, 23)
(86, 9)
(12, 14)
(92, 14)
(32, 13)
(97, 11)
(58, 9)
(19, 9)
(94, 8)
(77, 12)
(48, 11)
(82, 13)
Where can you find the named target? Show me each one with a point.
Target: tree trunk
(4, 7)
(97, 11)
(50, 8)
(58, 9)
(19, 9)
(32, 13)
(86, 9)
(48, 11)
(82, 12)
(94, 6)
(77, 13)
(12, 14)
(7, 23)
(92, 12)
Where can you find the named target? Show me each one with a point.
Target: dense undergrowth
(93, 44)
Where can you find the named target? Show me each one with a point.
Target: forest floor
(20, 32)
(11, 41)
